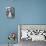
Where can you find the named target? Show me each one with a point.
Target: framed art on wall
(32, 32)
(10, 12)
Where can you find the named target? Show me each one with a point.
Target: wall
(27, 12)
(31, 11)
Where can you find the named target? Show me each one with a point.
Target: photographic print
(31, 33)
(10, 12)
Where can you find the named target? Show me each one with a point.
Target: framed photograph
(32, 32)
(10, 12)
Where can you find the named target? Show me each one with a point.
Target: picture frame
(10, 12)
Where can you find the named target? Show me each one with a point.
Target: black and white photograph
(10, 12)
(31, 34)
